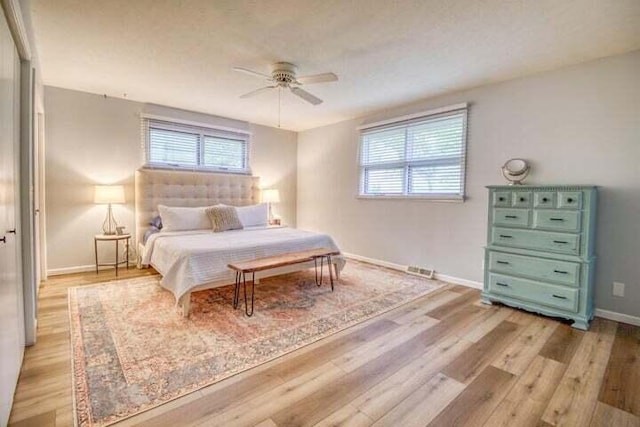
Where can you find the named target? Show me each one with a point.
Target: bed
(195, 260)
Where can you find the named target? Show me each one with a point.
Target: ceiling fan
(283, 75)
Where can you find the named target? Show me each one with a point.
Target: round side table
(112, 238)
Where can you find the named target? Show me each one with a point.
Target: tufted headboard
(185, 188)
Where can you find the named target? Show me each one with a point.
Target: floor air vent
(428, 273)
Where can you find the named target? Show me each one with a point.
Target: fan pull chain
(279, 103)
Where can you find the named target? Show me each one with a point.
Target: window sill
(445, 199)
(192, 169)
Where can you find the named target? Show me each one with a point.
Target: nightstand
(113, 238)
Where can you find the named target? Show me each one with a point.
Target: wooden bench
(243, 268)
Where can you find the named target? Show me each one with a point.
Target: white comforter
(187, 259)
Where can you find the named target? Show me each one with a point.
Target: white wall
(12, 335)
(273, 159)
(578, 125)
(96, 140)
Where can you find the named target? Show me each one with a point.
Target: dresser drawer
(536, 292)
(563, 272)
(521, 199)
(544, 199)
(557, 220)
(502, 199)
(570, 199)
(511, 217)
(539, 240)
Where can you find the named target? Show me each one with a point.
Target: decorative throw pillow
(175, 218)
(254, 215)
(223, 218)
(156, 222)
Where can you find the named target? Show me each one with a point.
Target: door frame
(39, 199)
(27, 216)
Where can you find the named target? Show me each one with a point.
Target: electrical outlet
(618, 289)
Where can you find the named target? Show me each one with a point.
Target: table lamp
(271, 196)
(108, 195)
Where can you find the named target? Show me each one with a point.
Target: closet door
(11, 299)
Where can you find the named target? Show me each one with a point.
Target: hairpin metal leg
(253, 292)
(330, 273)
(315, 268)
(315, 263)
(236, 291)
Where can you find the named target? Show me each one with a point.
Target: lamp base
(275, 221)
(109, 225)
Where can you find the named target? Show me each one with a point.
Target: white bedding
(188, 259)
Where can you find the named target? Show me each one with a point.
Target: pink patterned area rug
(133, 351)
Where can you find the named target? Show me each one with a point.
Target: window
(420, 156)
(186, 146)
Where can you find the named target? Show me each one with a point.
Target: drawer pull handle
(559, 296)
(522, 199)
(556, 219)
(501, 284)
(511, 216)
(570, 200)
(502, 262)
(560, 241)
(545, 200)
(501, 199)
(504, 236)
(560, 272)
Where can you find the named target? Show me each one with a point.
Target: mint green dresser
(540, 250)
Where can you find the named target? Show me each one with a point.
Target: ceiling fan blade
(252, 73)
(257, 91)
(317, 78)
(306, 96)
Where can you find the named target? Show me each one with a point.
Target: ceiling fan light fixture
(284, 75)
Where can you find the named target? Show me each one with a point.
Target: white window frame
(200, 129)
(406, 164)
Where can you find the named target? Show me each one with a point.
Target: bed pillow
(156, 222)
(254, 215)
(223, 218)
(183, 219)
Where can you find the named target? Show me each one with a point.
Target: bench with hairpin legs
(242, 268)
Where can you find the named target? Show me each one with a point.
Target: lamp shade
(271, 195)
(107, 194)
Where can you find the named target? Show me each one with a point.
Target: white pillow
(254, 215)
(182, 219)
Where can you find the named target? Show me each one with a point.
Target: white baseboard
(376, 262)
(459, 281)
(403, 268)
(70, 270)
(618, 317)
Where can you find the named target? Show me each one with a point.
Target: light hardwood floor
(442, 360)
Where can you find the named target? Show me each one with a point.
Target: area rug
(133, 351)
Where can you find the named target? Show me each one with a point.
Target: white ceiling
(386, 53)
